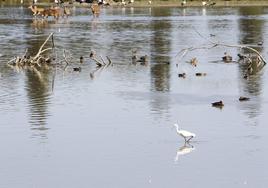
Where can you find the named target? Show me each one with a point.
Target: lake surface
(116, 129)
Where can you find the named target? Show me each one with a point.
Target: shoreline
(165, 3)
(177, 4)
(219, 3)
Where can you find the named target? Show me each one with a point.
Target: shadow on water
(251, 33)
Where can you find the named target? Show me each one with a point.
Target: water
(116, 130)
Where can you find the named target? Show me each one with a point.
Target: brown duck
(218, 104)
(244, 98)
(227, 58)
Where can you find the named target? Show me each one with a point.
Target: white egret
(185, 134)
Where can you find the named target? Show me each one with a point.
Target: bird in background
(185, 134)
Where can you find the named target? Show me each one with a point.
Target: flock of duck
(143, 60)
(226, 59)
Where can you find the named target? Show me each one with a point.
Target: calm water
(116, 130)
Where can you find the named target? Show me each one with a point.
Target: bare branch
(231, 45)
(102, 60)
(65, 57)
(109, 61)
(42, 46)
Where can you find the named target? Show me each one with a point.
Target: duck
(227, 58)
(47, 60)
(212, 35)
(241, 56)
(244, 98)
(260, 43)
(212, 4)
(134, 59)
(143, 60)
(218, 104)
(200, 74)
(77, 69)
(92, 54)
(182, 75)
(81, 59)
(245, 76)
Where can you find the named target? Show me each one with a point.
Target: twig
(102, 60)
(10, 61)
(53, 79)
(98, 63)
(98, 69)
(186, 50)
(109, 60)
(65, 57)
(45, 50)
(183, 52)
(41, 48)
(52, 38)
(25, 53)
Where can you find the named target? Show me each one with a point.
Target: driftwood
(99, 60)
(47, 57)
(36, 60)
(254, 62)
(41, 59)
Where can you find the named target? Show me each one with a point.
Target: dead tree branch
(213, 44)
(42, 46)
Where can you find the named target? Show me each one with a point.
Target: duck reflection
(185, 149)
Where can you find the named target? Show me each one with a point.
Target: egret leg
(189, 138)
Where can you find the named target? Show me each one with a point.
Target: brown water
(116, 130)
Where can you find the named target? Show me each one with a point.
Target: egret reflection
(185, 149)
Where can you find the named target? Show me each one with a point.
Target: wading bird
(185, 134)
